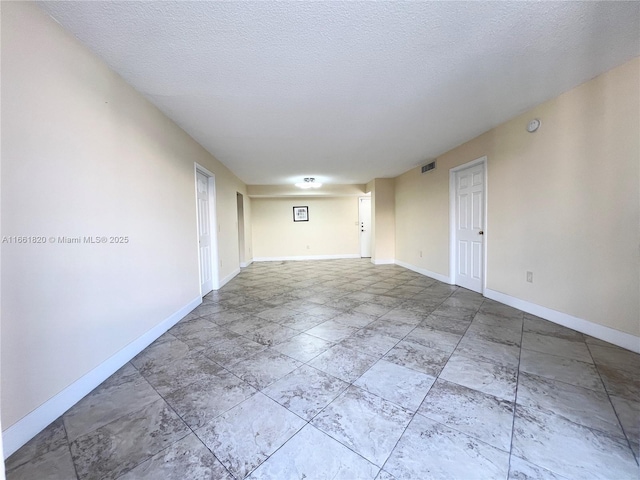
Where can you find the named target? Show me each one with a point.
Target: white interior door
(469, 227)
(364, 214)
(204, 233)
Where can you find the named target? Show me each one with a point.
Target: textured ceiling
(348, 91)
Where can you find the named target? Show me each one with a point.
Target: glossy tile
(344, 363)
(245, 436)
(314, 455)
(397, 329)
(323, 312)
(354, 319)
(401, 316)
(492, 333)
(619, 370)
(207, 309)
(575, 350)
(456, 312)
(485, 377)
(431, 450)
(370, 342)
(576, 416)
(232, 351)
(272, 334)
(165, 349)
(55, 464)
(535, 324)
(200, 402)
(365, 423)
(247, 325)
(497, 309)
(479, 415)
(306, 391)
(332, 331)
(568, 449)
(446, 324)
(224, 317)
(574, 372)
(119, 446)
(124, 392)
(418, 357)
(628, 412)
(507, 322)
(432, 338)
(487, 351)
(200, 333)
(398, 384)
(520, 469)
(580, 405)
(303, 347)
(264, 368)
(373, 309)
(168, 377)
(186, 459)
(49, 439)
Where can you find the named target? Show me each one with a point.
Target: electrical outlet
(530, 277)
(308, 247)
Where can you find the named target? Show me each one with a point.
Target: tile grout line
(606, 390)
(181, 419)
(515, 398)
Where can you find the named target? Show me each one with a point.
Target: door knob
(480, 232)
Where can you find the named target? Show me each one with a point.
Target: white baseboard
(383, 261)
(305, 257)
(246, 264)
(423, 271)
(228, 278)
(29, 426)
(621, 339)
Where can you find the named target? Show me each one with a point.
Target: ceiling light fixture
(309, 182)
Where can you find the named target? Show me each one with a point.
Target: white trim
(369, 224)
(607, 334)
(213, 221)
(33, 423)
(423, 271)
(452, 218)
(383, 261)
(246, 264)
(306, 257)
(228, 278)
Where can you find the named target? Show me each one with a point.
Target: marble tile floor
(344, 370)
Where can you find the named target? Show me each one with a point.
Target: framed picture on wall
(300, 214)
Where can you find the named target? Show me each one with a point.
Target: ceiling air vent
(429, 166)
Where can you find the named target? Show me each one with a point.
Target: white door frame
(215, 272)
(241, 232)
(452, 219)
(360, 225)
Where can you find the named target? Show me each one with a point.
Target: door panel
(204, 233)
(364, 214)
(469, 197)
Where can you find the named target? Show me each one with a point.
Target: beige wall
(563, 203)
(84, 154)
(332, 228)
(383, 217)
(383, 213)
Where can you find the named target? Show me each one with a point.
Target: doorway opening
(241, 245)
(207, 231)
(364, 217)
